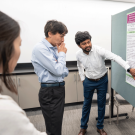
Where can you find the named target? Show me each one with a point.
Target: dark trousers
(52, 100)
(89, 87)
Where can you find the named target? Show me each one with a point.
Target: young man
(91, 58)
(48, 59)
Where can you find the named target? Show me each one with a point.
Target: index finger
(63, 44)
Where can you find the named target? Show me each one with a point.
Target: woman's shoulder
(7, 103)
(13, 117)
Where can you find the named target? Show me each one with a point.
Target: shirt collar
(48, 43)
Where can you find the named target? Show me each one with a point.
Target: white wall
(78, 15)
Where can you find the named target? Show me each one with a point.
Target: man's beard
(87, 50)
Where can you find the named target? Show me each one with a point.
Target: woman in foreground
(13, 120)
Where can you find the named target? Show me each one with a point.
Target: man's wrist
(128, 70)
(62, 54)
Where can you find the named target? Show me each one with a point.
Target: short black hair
(82, 36)
(54, 27)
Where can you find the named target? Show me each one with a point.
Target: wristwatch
(128, 70)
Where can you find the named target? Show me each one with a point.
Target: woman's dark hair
(82, 36)
(9, 31)
(54, 27)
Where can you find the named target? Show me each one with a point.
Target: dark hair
(9, 31)
(82, 36)
(54, 27)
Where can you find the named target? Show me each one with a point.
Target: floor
(72, 117)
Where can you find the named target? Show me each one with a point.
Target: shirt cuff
(62, 54)
(82, 77)
(127, 65)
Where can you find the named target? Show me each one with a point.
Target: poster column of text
(130, 50)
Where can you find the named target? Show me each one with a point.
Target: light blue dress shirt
(49, 65)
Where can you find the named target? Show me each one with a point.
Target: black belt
(53, 84)
(98, 78)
